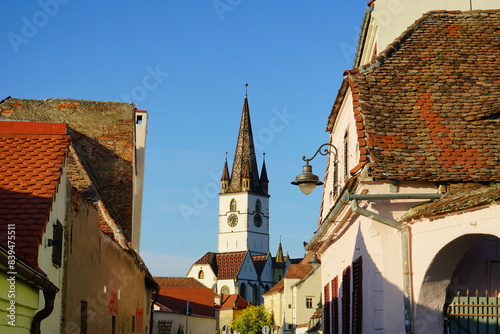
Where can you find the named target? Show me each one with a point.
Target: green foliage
(251, 320)
(180, 329)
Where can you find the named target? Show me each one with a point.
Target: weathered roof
(32, 156)
(103, 136)
(428, 107)
(457, 202)
(245, 161)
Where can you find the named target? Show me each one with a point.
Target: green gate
(473, 314)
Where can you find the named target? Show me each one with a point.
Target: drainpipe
(407, 288)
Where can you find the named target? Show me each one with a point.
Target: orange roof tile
(298, 270)
(201, 300)
(32, 156)
(179, 282)
(234, 302)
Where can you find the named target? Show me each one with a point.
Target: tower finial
(246, 90)
(264, 156)
(226, 156)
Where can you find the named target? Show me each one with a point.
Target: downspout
(49, 296)
(405, 251)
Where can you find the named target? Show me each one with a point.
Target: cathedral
(243, 263)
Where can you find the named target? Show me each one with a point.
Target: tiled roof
(179, 282)
(245, 161)
(224, 265)
(277, 288)
(32, 156)
(259, 261)
(461, 201)
(102, 134)
(234, 302)
(428, 107)
(201, 300)
(298, 270)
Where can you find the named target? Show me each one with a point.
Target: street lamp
(307, 181)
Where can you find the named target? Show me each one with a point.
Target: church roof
(245, 161)
(259, 261)
(225, 265)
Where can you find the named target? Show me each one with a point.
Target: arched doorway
(458, 266)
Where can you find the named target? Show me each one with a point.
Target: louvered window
(357, 296)
(334, 306)
(346, 300)
(326, 310)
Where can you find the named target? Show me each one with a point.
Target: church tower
(244, 198)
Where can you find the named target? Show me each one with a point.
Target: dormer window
(232, 206)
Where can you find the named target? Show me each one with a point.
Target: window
(243, 290)
(346, 156)
(56, 243)
(258, 206)
(224, 290)
(326, 310)
(83, 317)
(309, 302)
(232, 206)
(346, 300)
(334, 306)
(201, 274)
(357, 295)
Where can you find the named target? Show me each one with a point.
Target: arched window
(201, 274)
(258, 206)
(224, 290)
(243, 290)
(232, 206)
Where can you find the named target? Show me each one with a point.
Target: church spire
(225, 179)
(245, 174)
(264, 181)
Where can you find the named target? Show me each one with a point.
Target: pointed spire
(245, 174)
(225, 179)
(279, 254)
(264, 181)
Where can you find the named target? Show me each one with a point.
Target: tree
(251, 320)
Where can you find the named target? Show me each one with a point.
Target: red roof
(179, 282)
(32, 157)
(298, 270)
(427, 108)
(234, 302)
(224, 265)
(201, 300)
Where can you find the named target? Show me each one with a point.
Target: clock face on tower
(257, 220)
(232, 220)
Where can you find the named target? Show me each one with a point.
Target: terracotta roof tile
(31, 160)
(428, 107)
(298, 270)
(234, 302)
(179, 282)
(201, 300)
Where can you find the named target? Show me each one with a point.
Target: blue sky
(186, 63)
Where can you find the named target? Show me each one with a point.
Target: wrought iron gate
(473, 314)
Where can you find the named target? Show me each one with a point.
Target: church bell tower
(244, 198)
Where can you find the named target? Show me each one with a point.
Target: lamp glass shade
(307, 187)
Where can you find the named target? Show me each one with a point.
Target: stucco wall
(102, 274)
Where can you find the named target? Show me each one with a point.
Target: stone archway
(428, 315)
